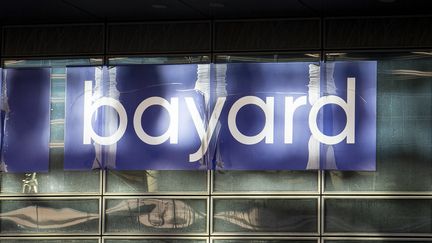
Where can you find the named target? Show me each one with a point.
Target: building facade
(392, 204)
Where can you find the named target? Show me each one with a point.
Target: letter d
(348, 107)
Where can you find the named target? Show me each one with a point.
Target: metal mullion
(102, 196)
(210, 181)
(321, 204)
(102, 216)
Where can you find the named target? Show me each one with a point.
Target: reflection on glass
(156, 215)
(30, 183)
(263, 241)
(379, 241)
(265, 181)
(404, 137)
(57, 180)
(265, 215)
(156, 181)
(24, 240)
(378, 215)
(155, 241)
(159, 60)
(45, 216)
(53, 63)
(253, 58)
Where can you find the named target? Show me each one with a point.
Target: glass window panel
(58, 84)
(262, 241)
(57, 131)
(153, 181)
(380, 241)
(265, 181)
(44, 240)
(49, 216)
(294, 57)
(404, 134)
(159, 60)
(362, 215)
(282, 215)
(57, 180)
(156, 216)
(153, 240)
(58, 80)
(57, 113)
(53, 62)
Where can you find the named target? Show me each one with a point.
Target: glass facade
(239, 206)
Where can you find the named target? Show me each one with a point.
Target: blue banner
(78, 155)
(160, 133)
(296, 116)
(2, 117)
(355, 83)
(26, 103)
(235, 116)
(254, 132)
(138, 117)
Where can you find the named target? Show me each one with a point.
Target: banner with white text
(234, 116)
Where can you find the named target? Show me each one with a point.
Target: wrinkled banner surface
(26, 125)
(239, 116)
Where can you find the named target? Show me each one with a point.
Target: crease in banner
(26, 124)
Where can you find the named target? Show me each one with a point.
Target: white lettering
(172, 131)
(290, 107)
(205, 136)
(267, 131)
(206, 130)
(89, 110)
(349, 109)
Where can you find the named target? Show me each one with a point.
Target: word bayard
(234, 116)
(205, 130)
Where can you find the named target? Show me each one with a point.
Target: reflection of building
(391, 204)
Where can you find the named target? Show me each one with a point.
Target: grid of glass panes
(241, 206)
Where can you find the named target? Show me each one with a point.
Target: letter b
(89, 110)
